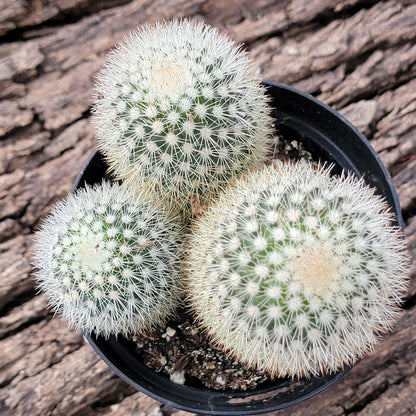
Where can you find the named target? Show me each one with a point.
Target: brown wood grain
(357, 55)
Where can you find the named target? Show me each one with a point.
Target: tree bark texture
(358, 56)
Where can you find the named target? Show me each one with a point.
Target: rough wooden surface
(357, 55)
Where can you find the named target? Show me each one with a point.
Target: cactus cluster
(108, 261)
(291, 269)
(179, 110)
(296, 271)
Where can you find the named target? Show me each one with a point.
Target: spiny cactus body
(296, 271)
(179, 109)
(107, 261)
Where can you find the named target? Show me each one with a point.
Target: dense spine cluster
(108, 261)
(296, 271)
(178, 111)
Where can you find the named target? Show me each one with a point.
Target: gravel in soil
(284, 149)
(183, 352)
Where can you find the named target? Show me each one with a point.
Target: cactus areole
(329, 137)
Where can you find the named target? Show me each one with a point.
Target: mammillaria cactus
(296, 271)
(179, 110)
(107, 261)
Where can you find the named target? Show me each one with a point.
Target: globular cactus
(179, 109)
(108, 261)
(296, 271)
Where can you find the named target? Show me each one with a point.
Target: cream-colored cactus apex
(179, 109)
(296, 271)
(108, 261)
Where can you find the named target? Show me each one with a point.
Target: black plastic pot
(329, 137)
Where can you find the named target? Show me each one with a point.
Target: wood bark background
(357, 55)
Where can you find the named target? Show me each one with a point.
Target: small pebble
(178, 377)
(170, 332)
(220, 380)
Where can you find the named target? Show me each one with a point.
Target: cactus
(296, 271)
(179, 109)
(108, 261)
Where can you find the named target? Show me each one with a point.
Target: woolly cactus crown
(179, 109)
(107, 261)
(296, 271)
